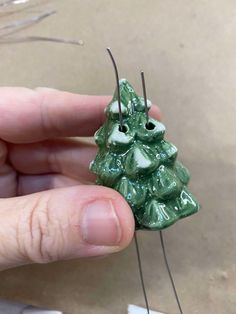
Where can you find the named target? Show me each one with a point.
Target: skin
(49, 208)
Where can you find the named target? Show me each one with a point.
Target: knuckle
(39, 235)
(52, 157)
(3, 152)
(48, 126)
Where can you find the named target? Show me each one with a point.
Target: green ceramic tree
(141, 165)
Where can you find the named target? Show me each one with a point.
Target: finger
(32, 115)
(63, 224)
(3, 153)
(66, 156)
(8, 181)
(155, 112)
(28, 184)
(7, 174)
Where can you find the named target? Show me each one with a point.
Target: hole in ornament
(123, 128)
(150, 126)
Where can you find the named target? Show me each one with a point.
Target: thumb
(63, 224)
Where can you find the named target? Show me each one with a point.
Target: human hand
(47, 212)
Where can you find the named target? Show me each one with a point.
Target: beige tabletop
(188, 52)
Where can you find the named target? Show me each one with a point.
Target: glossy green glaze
(141, 165)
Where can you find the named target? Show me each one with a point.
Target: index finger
(28, 116)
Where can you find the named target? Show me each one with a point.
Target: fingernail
(100, 224)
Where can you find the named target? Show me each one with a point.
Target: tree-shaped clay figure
(137, 162)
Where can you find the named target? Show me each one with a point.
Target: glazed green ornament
(137, 162)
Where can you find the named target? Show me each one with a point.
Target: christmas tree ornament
(136, 160)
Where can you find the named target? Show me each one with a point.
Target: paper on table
(133, 309)
(11, 307)
(34, 310)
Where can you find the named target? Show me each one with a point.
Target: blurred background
(187, 50)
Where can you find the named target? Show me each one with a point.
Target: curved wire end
(122, 129)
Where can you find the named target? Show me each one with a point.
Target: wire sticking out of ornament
(141, 272)
(149, 126)
(142, 166)
(122, 127)
(169, 272)
(145, 97)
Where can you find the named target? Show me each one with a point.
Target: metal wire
(8, 30)
(22, 24)
(169, 273)
(141, 272)
(15, 40)
(118, 88)
(144, 95)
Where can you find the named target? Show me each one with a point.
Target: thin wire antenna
(16, 40)
(141, 272)
(16, 8)
(169, 273)
(17, 26)
(145, 96)
(118, 87)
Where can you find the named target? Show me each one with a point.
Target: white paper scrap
(33, 310)
(133, 309)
